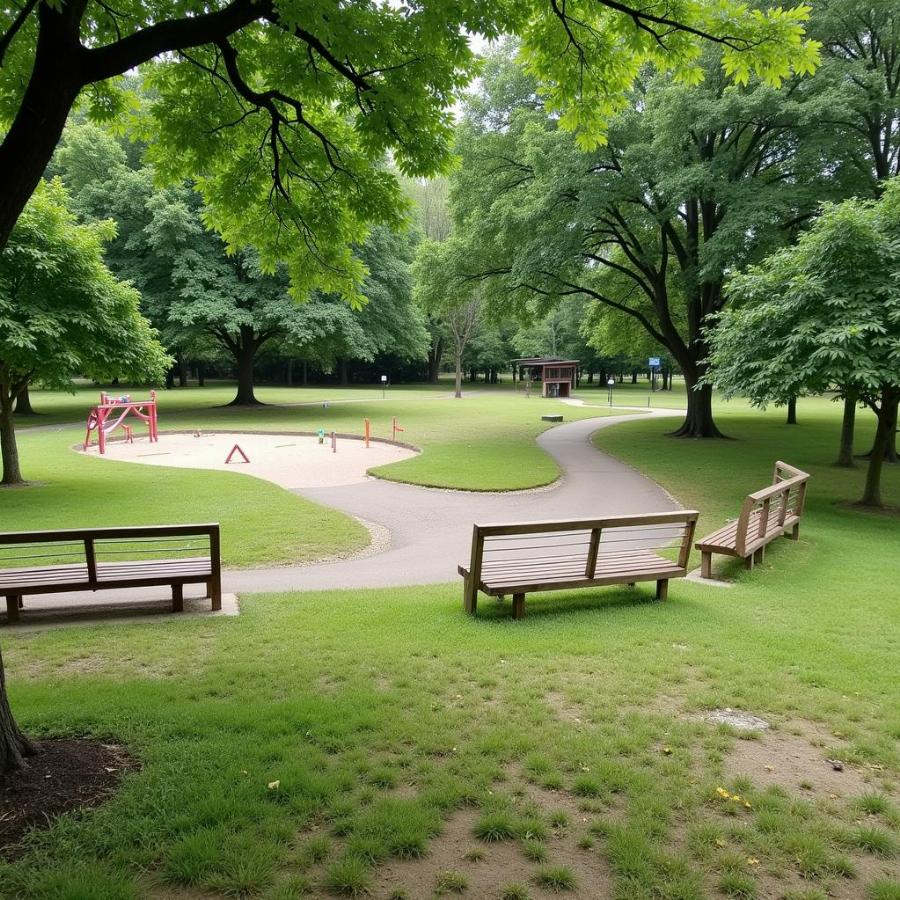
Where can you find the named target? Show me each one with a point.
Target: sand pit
(289, 460)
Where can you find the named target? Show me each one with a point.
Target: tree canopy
(63, 313)
(284, 110)
(693, 181)
(821, 315)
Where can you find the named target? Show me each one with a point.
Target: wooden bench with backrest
(94, 559)
(765, 515)
(525, 557)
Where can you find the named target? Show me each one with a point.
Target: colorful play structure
(109, 414)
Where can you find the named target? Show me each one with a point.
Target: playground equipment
(367, 427)
(109, 413)
(333, 442)
(395, 427)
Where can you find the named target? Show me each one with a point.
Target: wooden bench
(765, 515)
(171, 555)
(526, 557)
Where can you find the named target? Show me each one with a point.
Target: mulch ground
(65, 775)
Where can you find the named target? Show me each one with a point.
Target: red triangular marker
(236, 449)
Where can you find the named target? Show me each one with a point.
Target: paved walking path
(430, 530)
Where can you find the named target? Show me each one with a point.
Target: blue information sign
(653, 362)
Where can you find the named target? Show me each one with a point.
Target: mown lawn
(483, 442)
(322, 740)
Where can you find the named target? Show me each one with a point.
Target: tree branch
(16, 25)
(170, 35)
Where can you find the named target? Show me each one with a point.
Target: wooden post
(662, 589)
(12, 608)
(90, 557)
(518, 606)
(177, 598)
(705, 565)
(215, 562)
(593, 550)
(474, 577)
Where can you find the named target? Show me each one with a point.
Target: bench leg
(662, 589)
(795, 532)
(706, 565)
(470, 595)
(748, 561)
(630, 584)
(759, 555)
(13, 605)
(177, 598)
(214, 592)
(518, 606)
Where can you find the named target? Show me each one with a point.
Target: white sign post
(610, 384)
(383, 385)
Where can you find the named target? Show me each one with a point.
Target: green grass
(342, 696)
(483, 442)
(260, 521)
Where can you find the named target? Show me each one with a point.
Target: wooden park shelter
(557, 376)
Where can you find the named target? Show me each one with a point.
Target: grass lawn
(335, 743)
(483, 442)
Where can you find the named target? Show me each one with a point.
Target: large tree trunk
(37, 127)
(9, 450)
(23, 403)
(182, 372)
(848, 426)
(14, 746)
(791, 411)
(887, 419)
(201, 374)
(345, 377)
(457, 388)
(435, 352)
(246, 356)
(699, 421)
(890, 449)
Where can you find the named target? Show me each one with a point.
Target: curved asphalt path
(431, 530)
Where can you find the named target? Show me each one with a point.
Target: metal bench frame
(90, 575)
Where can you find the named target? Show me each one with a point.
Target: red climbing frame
(108, 414)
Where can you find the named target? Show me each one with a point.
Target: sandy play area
(290, 460)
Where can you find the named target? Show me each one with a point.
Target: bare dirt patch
(564, 708)
(791, 762)
(65, 775)
(502, 863)
(292, 461)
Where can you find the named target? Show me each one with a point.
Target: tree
(456, 304)
(63, 313)
(822, 314)
(853, 117)
(431, 214)
(284, 109)
(693, 180)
